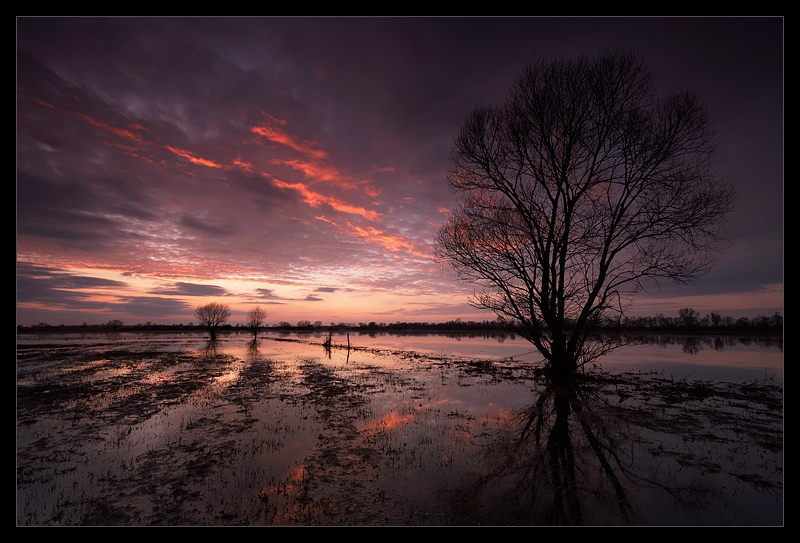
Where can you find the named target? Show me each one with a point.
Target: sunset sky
(299, 164)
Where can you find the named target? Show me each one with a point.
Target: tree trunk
(562, 363)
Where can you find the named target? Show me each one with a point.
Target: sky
(298, 164)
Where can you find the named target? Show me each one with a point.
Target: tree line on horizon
(687, 319)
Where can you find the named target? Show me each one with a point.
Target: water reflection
(558, 459)
(268, 431)
(693, 344)
(554, 438)
(210, 350)
(579, 456)
(252, 348)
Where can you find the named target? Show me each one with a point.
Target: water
(723, 358)
(168, 429)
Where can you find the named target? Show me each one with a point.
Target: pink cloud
(273, 130)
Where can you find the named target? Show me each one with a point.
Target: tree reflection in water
(565, 399)
(252, 349)
(578, 457)
(542, 469)
(210, 350)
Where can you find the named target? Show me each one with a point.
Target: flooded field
(171, 430)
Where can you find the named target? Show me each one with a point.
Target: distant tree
(114, 324)
(688, 317)
(212, 316)
(743, 322)
(255, 320)
(575, 193)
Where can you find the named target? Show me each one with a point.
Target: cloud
(191, 289)
(52, 286)
(206, 225)
(268, 295)
(272, 129)
(44, 292)
(317, 199)
(194, 159)
(191, 151)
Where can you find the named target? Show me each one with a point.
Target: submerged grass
(151, 433)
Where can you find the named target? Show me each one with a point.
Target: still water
(160, 429)
(726, 358)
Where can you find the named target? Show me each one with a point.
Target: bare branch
(212, 316)
(576, 192)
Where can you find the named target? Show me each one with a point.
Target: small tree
(255, 320)
(212, 316)
(578, 190)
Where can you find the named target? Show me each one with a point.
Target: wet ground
(171, 430)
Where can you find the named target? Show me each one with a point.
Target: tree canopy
(255, 320)
(212, 315)
(578, 191)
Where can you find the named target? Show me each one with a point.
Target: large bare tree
(212, 316)
(575, 193)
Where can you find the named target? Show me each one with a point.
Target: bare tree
(575, 193)
(212, 316)
(114, 325)
(689, 317)
(255, 320)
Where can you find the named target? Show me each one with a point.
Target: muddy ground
(173, 433)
